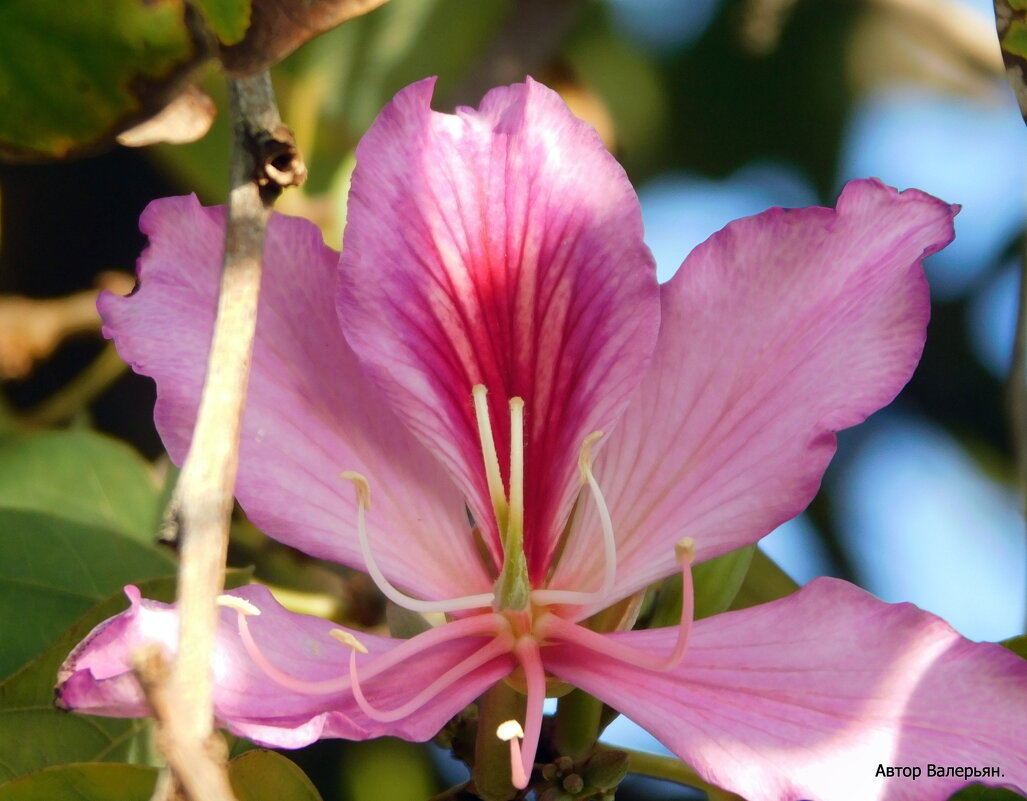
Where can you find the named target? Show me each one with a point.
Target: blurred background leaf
(261, 775)
(72, 75)
(82, 476)
(53, 570)
(83, 782)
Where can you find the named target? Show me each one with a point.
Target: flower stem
(577, 724)
(491, 770)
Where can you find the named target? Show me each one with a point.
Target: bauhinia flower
(490, 405)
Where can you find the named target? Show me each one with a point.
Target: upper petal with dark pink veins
(310, 412)
(97, 676)
(805, 697)
(500, 246)
(776, 332)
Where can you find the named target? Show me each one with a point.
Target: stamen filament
(554, 627)
(489, 454)
(576, 597)
(477, 626)
(301, 686)
(500, 645)
(388, 589)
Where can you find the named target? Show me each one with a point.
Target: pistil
(524, 740)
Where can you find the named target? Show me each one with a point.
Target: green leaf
(53, 570)
(716, 582)
(387, 769)
(764, 582)
(83, 782)
(31, 687)
(34, 739)
(266, 776)
(74, 74)
(29, 723)
(981, 792)
(1018, 645)
(82, 476)
(229, 19)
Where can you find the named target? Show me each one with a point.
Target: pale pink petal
(97, 677)
(778, 331)
(805, 697)
(310, 414)
(500, 246)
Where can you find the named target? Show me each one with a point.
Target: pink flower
(493, 340)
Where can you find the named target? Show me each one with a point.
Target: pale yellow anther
(490, 457)
(348, 640)
(515, 519)
(240, 605)
(363, 488)
(508, 730)
(585, 455)
(684, 550)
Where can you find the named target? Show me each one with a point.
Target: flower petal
(310, 412)
(97, 676)
(500, 246)
(807, 696)
(778, 331)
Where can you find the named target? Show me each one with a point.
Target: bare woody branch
(264, 161)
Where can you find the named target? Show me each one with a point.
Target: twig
(671, 769)
(264, 161)
(80, 391)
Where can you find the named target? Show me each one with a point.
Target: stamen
(279, 677)
(515, 517)
(479, 625)
(553, 627)
(489, 455)
(500, 645)
(576, 597)
(240, 605)
(390, 591)
(510, 731)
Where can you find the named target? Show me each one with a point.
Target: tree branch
(264, 161)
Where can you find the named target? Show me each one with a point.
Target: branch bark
(264, 161)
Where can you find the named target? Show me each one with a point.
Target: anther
(585, 455)
(240, 605)
(348, 640)
(684, 550)
(488, 451)
(360, 483)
